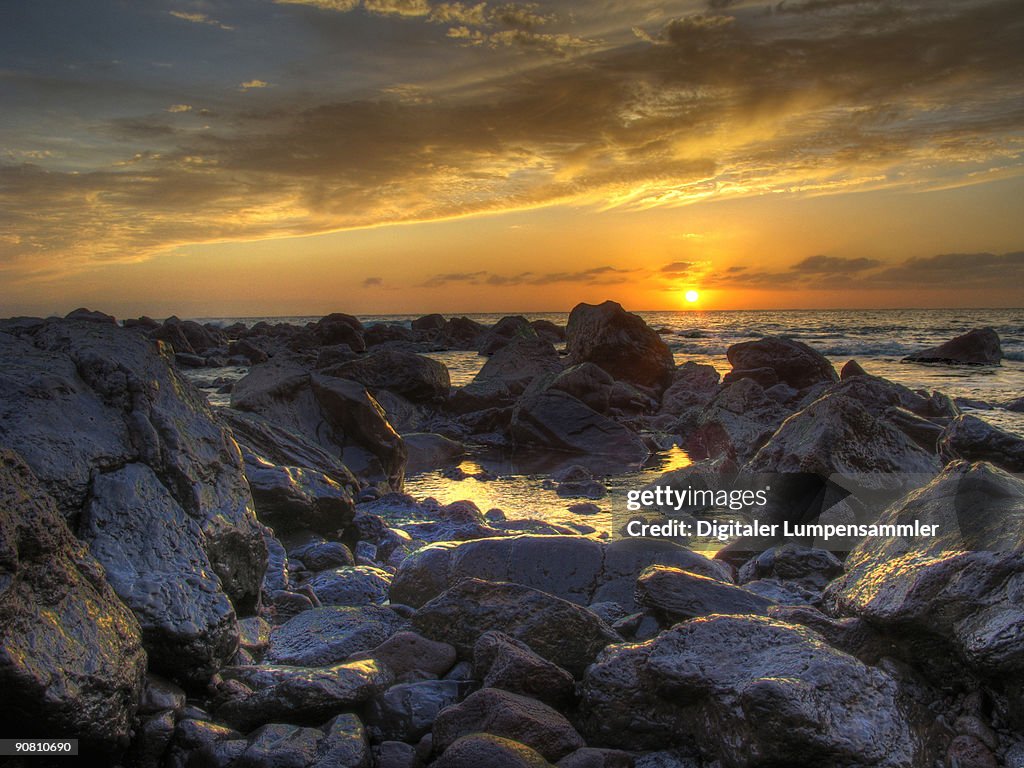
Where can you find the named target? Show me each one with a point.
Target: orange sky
(403, 156)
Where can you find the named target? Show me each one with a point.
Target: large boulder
(588, 383)
(322, 636)
(971, 439)
(792, 362)
(978, 347)
(736, 423)
(519, 362)
(581, 570)
(500, 661)
(406, 712)
(84, 398)
(504, 332)
(501, 713)
(620, 342)
(417, 378)
(972, 568)
(483, 749)
(339, 328)
(675, 595)
(749, 691)
(152, 552)
(552, 419)
(337, 414)
(292, 498)
(692, 388)
(71, 657)
(559, 631)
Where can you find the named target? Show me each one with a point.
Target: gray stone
(792, 361)
(406, 712)
(326, 635)
(352, 585)
(978, 347)
(971, 439)
(481, 749)
(676, 595)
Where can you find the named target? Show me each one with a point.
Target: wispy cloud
(604, 275)
(200, 18)
(249, 85)
(373, 282)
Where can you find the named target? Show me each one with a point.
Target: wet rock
(559, 631)
(330, 634)
(549, 331)
(430, 451)
(462, 333)
(353, 585)
(395, 754)
(340, 743)
(152, 553)
(971, 439)
(576, 482)
(851, 370)
(491, 396)
(693, 387)
(619, 342)
(254, 634)
(519, 362)
(676, 595)
(736, 423)
(412, 657)
(481, 749)
(791, 361)
(90, 315)
(588, 383)
(501, 661)
(84, 398)
(151, 741)
(293, 498)
(382, 333)
(748, 691)
(159, 695)
(71, 657)
(591, 757)
(970, 752)
(555, 420)
(433, 322)
(300, 694)
(417, 378)
(972, 567)
(978, 347)
(504, 332)
(339, 328)
(318, 554)
(580, 570)
(509, 715)
(792, 562)
(407, 712)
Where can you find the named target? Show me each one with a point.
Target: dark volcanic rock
(415, 377)
(152, 552)
(330, 634)
(500, 661)
(736, 423)
(580, 570)
(71, 658)
(300, 694)
(504, 332)
(428, 451)
(406, 712)
(353, 585)
(501, 713)
(693, 386)
(971, 568)
(481, 749)
(561, 632)
(748, 691)
(519, 362)
(382, 333)
(588, 383)
(83, 398)
(293, 498)
(792, 562)
(339, 743)
(978, 347)
(339, 328)
(411, 656)
(558, 421)
(971, 439)
(90, 315)
(433, 322)
(676, 595)
(620, 343)
(792, 361)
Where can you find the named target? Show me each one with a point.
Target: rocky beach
(210, 558)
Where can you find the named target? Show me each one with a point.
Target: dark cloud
(604, 275)
(677, 267)
(961, 270)
(373, 282)
(833, 265)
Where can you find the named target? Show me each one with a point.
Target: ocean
(877, 339)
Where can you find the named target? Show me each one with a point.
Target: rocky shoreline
(199, 587)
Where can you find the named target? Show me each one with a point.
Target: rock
(558, 421)
(736, 423)
(90, 315)
(588, 383)
(970, 567)
(693, 387)
(970, 752)
(412, 657)
(748, 690)
(518, 362)
(429, 451)
(576, 482)
(354, 585)
(971, 439)
(590, 757)
(417, 378)
(152, 553)
(793, 562)
(254, 634)
(151, 740)
(504, 332)
(462, 333)
(500, 661)
(676, 595)
(580, 570)
(619, 342)
(248, 350)
(561, 632)
(549, 331)
(338, 415)
(978, 347)
(159, 695)
(395, 754)
(1017, 406)
(407, 712)
(382, 333)
(493, 396)
(320, 555)
(326, 635)
(792, 361)
(509, 715)
(339, 328)
(433, 322)
(71, 657)
(851, 370)
(84, 398)
(292, 498)
(481, 749)
(340, 743)
(300, 694)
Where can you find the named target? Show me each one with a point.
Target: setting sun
(692, 296)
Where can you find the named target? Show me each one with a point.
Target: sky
(219, 158)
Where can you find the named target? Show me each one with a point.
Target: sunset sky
(272, 157)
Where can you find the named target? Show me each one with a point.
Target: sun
(691, 296)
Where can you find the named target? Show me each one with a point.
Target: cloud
(373, 282)
(961, 270)
(180, 108)
(342, 6)
(199, 18)
(249, 85)
(603, 275)
(678, 267)
(379, 7)
(833, 265)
